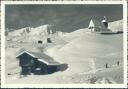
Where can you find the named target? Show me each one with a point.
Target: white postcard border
(4, 85)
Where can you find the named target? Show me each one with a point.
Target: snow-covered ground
(116, 25)
(85, 53)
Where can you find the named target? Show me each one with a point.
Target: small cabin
(36, 63)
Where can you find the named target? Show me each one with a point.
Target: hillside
(86, 54)
(88, 48)
(116, 25)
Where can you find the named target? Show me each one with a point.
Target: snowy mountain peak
(41, 30)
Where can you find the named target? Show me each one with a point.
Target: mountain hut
(36, 63)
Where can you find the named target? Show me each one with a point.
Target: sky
(66, 18)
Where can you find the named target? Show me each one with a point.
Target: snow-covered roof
(40, 57)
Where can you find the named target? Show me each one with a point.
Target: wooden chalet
(36, 63)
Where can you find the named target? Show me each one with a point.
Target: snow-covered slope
(18, 32)
(29, 34)
(91, 47)
(89, 51)
(116, 25)
(41, 30)
(84, 53)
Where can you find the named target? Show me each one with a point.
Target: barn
(36, 63)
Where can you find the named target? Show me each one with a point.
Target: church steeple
(105, 22)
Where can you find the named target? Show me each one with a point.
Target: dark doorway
(26, 70)
(40, 42)
(49, 40)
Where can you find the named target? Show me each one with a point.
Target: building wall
(32, 65)
(25, 60)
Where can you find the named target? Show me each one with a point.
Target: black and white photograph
(57, 43)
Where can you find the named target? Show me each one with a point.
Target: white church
(99, 27)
